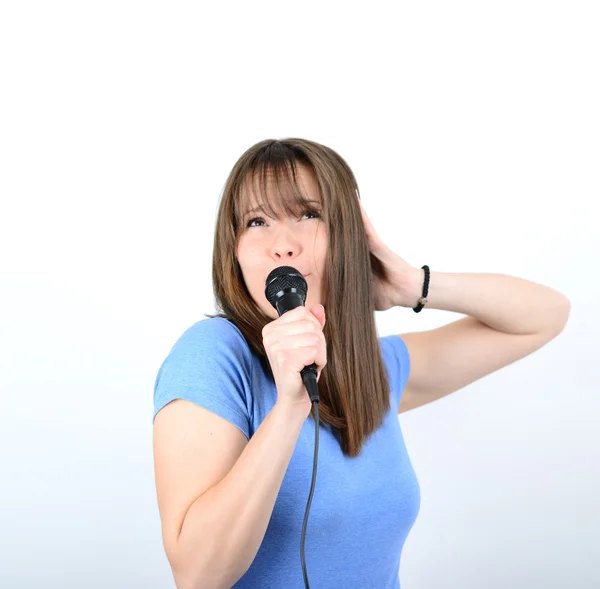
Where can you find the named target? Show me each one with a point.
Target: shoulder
(215, 341)
(211, 327)
(214, 330)
(395, 353)
(214, 333)
(210, 365)
(396, 359)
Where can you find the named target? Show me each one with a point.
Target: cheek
(322, 246)
(245, 255)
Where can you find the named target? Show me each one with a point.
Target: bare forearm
(505, 303)
(225, 527)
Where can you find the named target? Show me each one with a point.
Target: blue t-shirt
(362, 508)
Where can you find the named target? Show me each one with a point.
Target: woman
(233, 431)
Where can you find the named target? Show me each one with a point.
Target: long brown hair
(353, 387)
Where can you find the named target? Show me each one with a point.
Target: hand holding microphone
(294, 343)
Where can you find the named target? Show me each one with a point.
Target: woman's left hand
(395, 281)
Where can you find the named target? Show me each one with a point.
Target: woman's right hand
(292, 341)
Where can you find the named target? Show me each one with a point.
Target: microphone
(286, 289)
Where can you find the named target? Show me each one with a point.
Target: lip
(305, 275)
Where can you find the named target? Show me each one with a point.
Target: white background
(473, 130)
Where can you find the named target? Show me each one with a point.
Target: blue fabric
(362, 508)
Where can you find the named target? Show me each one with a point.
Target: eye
(312, 212)
(308, 212)
(255, 219)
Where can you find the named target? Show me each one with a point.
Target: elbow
(563, 313)
(183, 576)
(184, 579)
(187, 574)
(193, 576)
(210, 563)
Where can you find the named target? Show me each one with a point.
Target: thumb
(319, 312)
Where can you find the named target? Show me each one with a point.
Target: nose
(285, 243)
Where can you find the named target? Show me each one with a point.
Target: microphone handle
(309, 378)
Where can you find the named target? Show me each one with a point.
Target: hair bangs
(272, 186)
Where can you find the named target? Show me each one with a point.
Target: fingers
(319, 312)
(299, 313)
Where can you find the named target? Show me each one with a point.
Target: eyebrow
(260, 208)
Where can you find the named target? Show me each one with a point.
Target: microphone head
(283, 280)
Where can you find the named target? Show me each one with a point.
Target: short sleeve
(211, 366)
(397, 361)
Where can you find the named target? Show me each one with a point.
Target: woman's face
(298, 241)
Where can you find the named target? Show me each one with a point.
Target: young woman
(234, 435)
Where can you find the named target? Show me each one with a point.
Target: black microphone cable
(311, 387)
